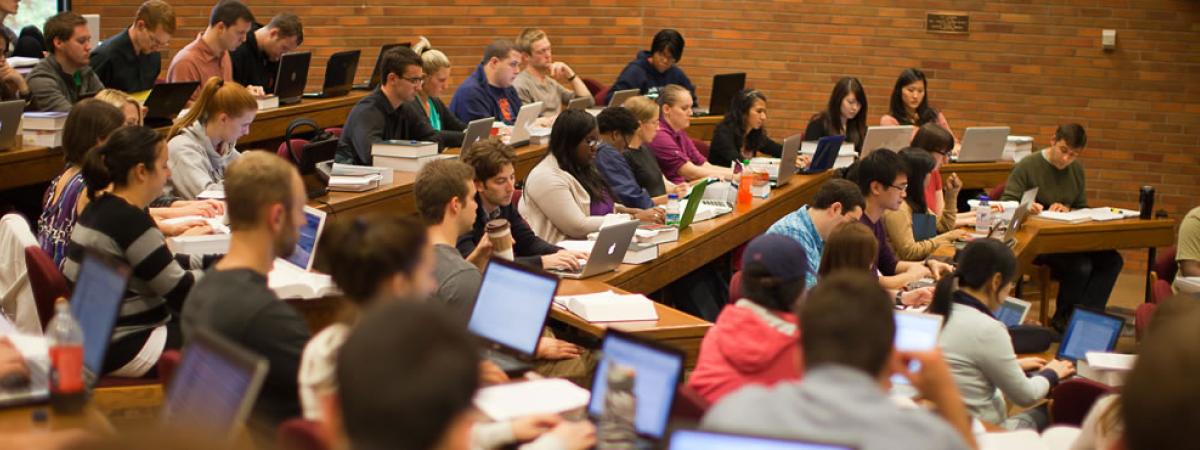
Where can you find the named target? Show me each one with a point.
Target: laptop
(525, 117)
(983, 144)
(826, 155)
(725, 87)
(915, 331)
(658, 370)
(607, 253)
(165, 101)
(214, 387)
(292, 77)
(1012, 227)
(618, 98)
(1012, 312)
(687, 439)
(1089, 330)
(310, 234)
(339, 75)
(10, 123)
(579, 104)
(476, 131)
(376, 77)
(510, 310)
(894, 138)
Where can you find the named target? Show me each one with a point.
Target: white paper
(216, 223)
(214, 193)
(544, 396)
(1110, 361)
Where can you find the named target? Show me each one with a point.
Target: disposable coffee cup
(499, 232)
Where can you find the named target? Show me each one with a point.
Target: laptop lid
(214, 386)
(339, 72)
(10, 122)
(694, 199)
(292, 76)
(725, 87)
(1012, 312)
(520, 131)
(983, 144)
(166, 100)
(826, 155)
(96, 300)
(310, 233)
(1020, 214)
(894, 138)
(579, 103)
(512, 306)
(1089, 330)
(618, 98)
(609, 250)
(915, 332)
(376, 76)
(477, 130)
(687, 439)
(658, 369)
(787, 160)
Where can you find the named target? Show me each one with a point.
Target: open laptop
(607, 253)
(724, 88)
(894, 138)
(1089, 330)
(525, 117)
(10, 123)
(658, 369)
(476, 131)
(915, 331)
(376, 76)
(1012, 312)
(1012, 227)
(579, 104)
(826, 155)
(310, 234)
(339, 75)
(214, 387)
(687, 439)
(292, 76)
(983, 144)
(510, 311)
(618, 98)
(165, 101)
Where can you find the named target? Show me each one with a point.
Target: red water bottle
(65, 338)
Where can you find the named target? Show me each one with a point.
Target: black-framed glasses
(593, 143)
(415, 80)
(902, 187)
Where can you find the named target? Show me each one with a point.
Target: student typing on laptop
(845, 114)
(387, 113)
(912, 228)
(909, 103)
(742, 134)
(673, 148)
(436, 66)
(256, 61)
(208, 55)
(837, 201)
(489, 91)
(202, 142)
(621, 134)
(539, 82)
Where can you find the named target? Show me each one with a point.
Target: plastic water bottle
(673, 209)
(615, 429)
(983, 215)
(65, 339)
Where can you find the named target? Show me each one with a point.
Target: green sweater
(1066, 186)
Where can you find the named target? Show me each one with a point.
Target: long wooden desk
(979, 175)
(702, 127)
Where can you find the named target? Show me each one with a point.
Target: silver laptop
(618, 98)
(607, 253)
(476, 131)
(894, 138)
(787, 160)
(520, 131)
(579, 104)
(983, 144)
(10, 123)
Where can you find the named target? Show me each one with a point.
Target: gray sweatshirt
(195, 164)
(50, 89)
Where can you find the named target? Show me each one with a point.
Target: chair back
(301, 434)
(1073, 399)
(47, 282)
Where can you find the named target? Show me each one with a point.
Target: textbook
(609, 306)
(267, 102)
(361, 183)
(42, 138)
(1054, 438)
(403, 148)
(639, 253)
(288, 281)
(653, 233)
(1090, 214)
(50, 121)
(211, 244)
(543, 396)
(407, 164)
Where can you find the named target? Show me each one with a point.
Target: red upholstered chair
(596, 88)
(1165, 266)
(735, 287)
(516, 197)
(1143, 313)
(297, 150)
(689, 405)
(701, 146)
(46, 281)
(301, 434)
(1072, 399)
(167, 363)
(336, 131)
(997, 191)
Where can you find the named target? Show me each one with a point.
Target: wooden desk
(23, 166)
(702, 127)
(979, 175)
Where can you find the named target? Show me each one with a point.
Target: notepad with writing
(545, 396)
(609, 306)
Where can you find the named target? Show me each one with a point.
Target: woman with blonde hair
(129, 106)
(436, 66)
(202, 142)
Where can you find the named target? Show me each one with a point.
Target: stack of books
(42, 129)
(405, 155)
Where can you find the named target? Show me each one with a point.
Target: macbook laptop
(725, 87)
(510, 310)
(310, 233)
(214, 387)
(685, 439)
(579, 104)
(607, 253)
(983, 144)
(376, 76)
(893, 138)
(339, 75)
(165, 101)
(292, 77)
(658, 370)
(915, 331)
(476, 131)
(520, 130)
(618, 98)
(826, 155)
(1012, 312)
(10, 122)
(1089, 330)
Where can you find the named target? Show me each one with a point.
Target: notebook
(725, 87)
(1089, 331)
(618, 98)
(165, 101)
(685, 439)
(510, 310)
(376, 77)
(828, 148)
(1012, 312)
(10, 122)
(525, 117)
(658, 368)
(292, 277)
(214, 387)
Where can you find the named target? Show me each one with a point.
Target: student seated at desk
(388, 112)
(489, 91)
(495, 182)
(132, 59)
(912, 242)
(843, 396)
(909, 103)
(445, 197)
(977, 346)
(12, 84)
(742, 133)
(1187, 253)
(64, 76)
(129, 106)
(265, 211)
(538, 82)
(940, 144)
(620, 133)
(674, 149)
(436, 67)
(256, 61)
(852, 247)
(838, 201)
(755, 340)
(844, 115)
(201, 142)
(1086, 278)
(208, 55)
(652, 70)
(565, 197)
(641, 158)
(134, 162)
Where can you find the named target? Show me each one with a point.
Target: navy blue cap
(782, 256)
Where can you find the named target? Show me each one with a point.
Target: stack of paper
(289, 281)
(352, 178)
(609, 306)
(1107, 368)
(43, 129)
(545, 396)
(1090, 214)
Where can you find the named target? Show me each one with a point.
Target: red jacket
(744, 347)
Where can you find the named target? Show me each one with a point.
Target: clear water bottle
(983, 215)
(673, 210)
(616, 428)
(65, 339)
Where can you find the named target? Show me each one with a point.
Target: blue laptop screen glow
(657, 373)
(207, 388)
(1089, 332)
(511, 307)
(915, 332)
(702, 440)
(1009, 313)
(308, 241)
(94, 304)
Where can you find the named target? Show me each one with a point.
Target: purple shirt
(886, 261)
(673, 149)
(600, 206)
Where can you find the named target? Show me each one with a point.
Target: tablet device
(1012, 312)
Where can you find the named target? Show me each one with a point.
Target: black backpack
(319, 137)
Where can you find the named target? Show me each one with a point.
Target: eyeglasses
(593, 143)
(902, 187)
(415, 80)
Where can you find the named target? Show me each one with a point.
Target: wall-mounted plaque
(948, 22)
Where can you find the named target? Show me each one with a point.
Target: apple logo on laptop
(612, 248)
(293, 76)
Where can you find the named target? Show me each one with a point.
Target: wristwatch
(572, 77)
(899, 297)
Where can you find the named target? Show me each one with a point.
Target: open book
(289, 281)
(544, 396)
(1054, 438)
(609, 306)
(1090, 214)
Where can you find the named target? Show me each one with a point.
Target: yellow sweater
(899, 226)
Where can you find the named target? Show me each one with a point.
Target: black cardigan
(726, 146)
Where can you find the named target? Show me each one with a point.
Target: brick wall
(1027, 64)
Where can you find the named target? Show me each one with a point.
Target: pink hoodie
(747, 345)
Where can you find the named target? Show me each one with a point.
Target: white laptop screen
(209, 390)
(94, 304)
(1089, 331)
(511, 307)
(657, 373)
(707, 440)
(306, 246)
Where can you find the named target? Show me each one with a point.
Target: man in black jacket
(388, 112)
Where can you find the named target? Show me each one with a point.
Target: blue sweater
(619, 175)
(476, 99)
(641, 75)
